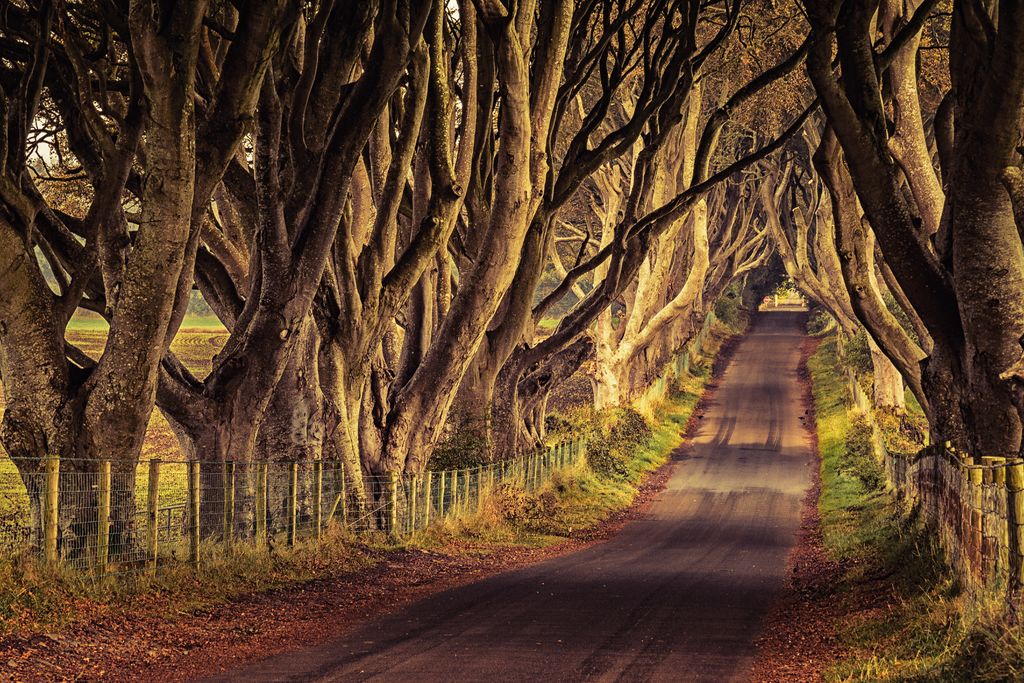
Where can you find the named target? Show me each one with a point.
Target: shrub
(462, 447)
(857, 355)
(819, 322)
(558, 423)
(512, 503)
(573, 423)
(607, 461)
(611, 452)
(727, 307)
(860, 460)
(630, 428)
(903, 431)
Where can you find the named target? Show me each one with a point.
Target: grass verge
(34, 599)
(904, 617)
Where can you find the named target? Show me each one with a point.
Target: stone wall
(975, 504)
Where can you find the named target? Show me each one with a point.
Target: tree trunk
(342, 408)
(888, 383)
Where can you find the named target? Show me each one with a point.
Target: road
(677, 596)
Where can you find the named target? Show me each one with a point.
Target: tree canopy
(415, 217)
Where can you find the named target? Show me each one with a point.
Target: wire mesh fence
(105, 518)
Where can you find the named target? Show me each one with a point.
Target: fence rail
(104, 517)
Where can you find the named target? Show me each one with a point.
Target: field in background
(199, 339)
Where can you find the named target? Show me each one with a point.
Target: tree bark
(887, 381)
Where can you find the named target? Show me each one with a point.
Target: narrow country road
(679, 595)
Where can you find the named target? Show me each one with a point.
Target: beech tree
(144, 105)
(954, 254)
(288, 229)
(643, 219)
(836, 267)
(369, 195)
(679, 280)
(648, 56)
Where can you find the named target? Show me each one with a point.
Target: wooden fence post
(261, 503)
(344, 499)
(193, 512)
(393, 503)
(51, 469)
(103, 518)
(318, 492)
(456, 489)
(1015, 515)
(229, 504)
(413, 490)
(339, 500)
(152, 507)
(976, 477)
(440, 494)
(293, 501)
(426, 499)
(1000, 531)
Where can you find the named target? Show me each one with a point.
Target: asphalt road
(677, 596)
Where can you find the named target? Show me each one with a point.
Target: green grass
(548, 324)
(87, 321)
(906, 618)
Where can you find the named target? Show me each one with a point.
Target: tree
(111, 97)
(644, 219)
(965, 284)
(281, 219)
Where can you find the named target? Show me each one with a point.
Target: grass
(35, 599)
(906, 618)
(87, 321)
